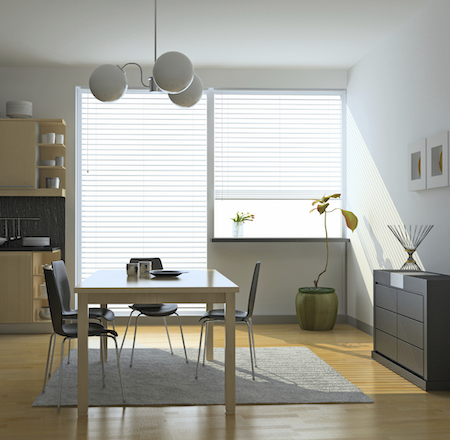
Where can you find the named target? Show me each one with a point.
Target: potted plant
(238, 223)
(317, 306)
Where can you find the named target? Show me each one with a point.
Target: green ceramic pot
(316, 308)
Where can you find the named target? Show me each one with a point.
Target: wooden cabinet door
(18, 154)
(16, 285)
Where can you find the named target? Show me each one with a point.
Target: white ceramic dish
(48, 163)
(19, 109)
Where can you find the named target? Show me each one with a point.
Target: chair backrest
(62, 282)
(156, 262)
(254, 286)
(54, 301)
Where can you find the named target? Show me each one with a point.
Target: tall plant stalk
(328, 250)
(350, 219)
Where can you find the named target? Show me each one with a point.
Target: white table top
(193, 281)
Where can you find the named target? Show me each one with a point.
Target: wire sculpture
(410, 238)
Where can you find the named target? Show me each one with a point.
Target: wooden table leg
(210, 340)
(83, 367)
(230, 354)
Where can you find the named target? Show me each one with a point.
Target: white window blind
(143, 182)
(277, 146)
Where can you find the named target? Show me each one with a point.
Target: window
(142, 182)
(274, 152)
(142, 170)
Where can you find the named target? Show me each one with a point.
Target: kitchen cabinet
(21, 172)
(412, 327)
(21, 276)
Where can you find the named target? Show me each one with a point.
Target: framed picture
(437, 160)
(417, 166)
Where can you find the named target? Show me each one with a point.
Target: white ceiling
(308, 34)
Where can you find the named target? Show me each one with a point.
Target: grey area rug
(284, 375)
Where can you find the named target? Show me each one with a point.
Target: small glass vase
(237, 229)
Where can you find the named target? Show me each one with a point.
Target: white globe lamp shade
(108, 82)
(173, 72)
(190, 96)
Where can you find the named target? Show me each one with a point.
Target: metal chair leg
(250, 345)
(125, 335)
(206, 341)
(118, 367)
(168, 337)
(182, 337)
(253, 341)
(53, 335)
(134, 339)
(61, 374)
(199, 350)
(51, 359)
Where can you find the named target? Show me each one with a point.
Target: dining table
(191, 286)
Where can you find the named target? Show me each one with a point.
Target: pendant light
(173, 73)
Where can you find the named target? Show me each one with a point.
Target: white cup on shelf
(59, 161)
(51, 137)
(59, 139)
(52, 182)
(44, 139)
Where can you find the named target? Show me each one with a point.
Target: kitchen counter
(29, 248)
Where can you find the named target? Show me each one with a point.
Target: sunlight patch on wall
(368, 196)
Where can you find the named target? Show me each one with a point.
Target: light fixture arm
(151, 83)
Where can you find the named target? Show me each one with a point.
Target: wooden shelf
(21, 174)
(32, 192)
(47, 167)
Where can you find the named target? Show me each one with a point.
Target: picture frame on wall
(417, 166)
(437, 160)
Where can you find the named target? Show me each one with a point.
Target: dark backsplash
(49, 210)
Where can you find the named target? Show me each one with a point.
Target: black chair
(218, 315)
(56, 286)
(155, 310)
(69, 314)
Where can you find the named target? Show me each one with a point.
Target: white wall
(397, 94)
(285, 266)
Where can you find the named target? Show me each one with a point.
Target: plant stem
(328, 252)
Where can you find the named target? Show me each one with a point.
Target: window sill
(278, 240)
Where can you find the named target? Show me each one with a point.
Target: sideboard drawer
(410, 305)
(411, 357)
(410, 331)
(386, 344)
(386, 321)
(386, 297)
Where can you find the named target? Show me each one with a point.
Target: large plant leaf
(350, 219)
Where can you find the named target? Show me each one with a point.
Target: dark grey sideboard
(412, 326)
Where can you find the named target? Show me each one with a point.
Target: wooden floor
(400, 410)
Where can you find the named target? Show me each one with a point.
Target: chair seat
(94, 313)
(155, 309)
(71, 330)
(219, 315)
(100, 312)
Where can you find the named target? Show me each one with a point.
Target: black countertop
(5, 248)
